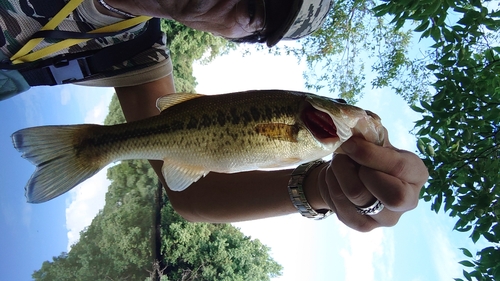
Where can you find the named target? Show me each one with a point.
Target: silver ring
(371, 210)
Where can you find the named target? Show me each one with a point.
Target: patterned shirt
(20, 19)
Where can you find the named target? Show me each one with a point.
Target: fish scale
(196, 134)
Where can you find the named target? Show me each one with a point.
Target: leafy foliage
(351, 37)
(116, 245)
(186, 46)
(203, 251)
(459, 133)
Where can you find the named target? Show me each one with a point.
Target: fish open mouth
(319, 123)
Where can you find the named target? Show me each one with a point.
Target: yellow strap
(53, 23)
(22, 55)
(70, 42)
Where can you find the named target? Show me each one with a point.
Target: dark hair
(254, 38)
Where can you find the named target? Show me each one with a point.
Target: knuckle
(357, 194)
(340, 161)
(399, 168)
(397, 200)
(401, 199)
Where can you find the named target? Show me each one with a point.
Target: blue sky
(421, 247)
(32, 233)
(25, 237)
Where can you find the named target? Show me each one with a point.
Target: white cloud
(31, 104)
(444, 254)
(365, 255)
(65, 95)
(231, 73)
(26, 217)
(85, 202)
(385, 266)
(403, 139)
(326, 250)
(446, 259)
(98, 113)
(292, 243)
(374, 100)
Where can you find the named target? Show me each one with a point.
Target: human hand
(368, 172)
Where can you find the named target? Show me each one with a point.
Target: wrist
(312, 188)
(298, 195)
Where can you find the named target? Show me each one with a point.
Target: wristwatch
(296, 191)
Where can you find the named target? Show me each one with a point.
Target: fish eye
(340, 100)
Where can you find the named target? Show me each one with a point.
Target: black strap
(121, 52)
(63, 34)
(69, 68)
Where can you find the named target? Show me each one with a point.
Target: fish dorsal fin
(179, 177)
(173, 99)
(279, 131)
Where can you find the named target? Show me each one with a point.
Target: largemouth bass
(197, 134)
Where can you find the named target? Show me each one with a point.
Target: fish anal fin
(173, 99)
(279, 131)
(180, 177)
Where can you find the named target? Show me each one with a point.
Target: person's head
(251, 20)
(299, 19)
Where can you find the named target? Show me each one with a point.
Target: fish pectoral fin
(279, 131)
(179, 177)
(173, 99)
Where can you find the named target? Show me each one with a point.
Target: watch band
(296, 191)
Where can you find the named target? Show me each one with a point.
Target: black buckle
(66, 71)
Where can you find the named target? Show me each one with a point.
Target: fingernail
(349, 146)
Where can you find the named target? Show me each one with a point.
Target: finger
(395, 194)
(346, 172)
(398, 163)
(344, 208)
(340, 185)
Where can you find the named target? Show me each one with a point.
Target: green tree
(116, 245)
(186, 46)
(459, 133)
(351, 38)
(203, 251)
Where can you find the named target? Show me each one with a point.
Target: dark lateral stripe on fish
(218, 118)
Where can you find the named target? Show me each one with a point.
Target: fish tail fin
(60, 164)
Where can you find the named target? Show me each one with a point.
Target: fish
(195, 134)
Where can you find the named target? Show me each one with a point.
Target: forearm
(241, 196)
(235, 197)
